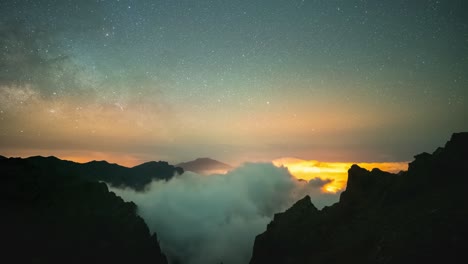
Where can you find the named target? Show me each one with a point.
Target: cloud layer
(213, 219)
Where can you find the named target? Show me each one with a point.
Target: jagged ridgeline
(418, 216)
(137, 177)
(51, 213)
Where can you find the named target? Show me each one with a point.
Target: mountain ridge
(137, 177)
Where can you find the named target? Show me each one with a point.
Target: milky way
(236, 80)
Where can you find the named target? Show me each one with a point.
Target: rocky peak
(448, 160)
(422, 160)
(458, 146)
(302, 209)
(365, 187)
(356, 177)
(305, 204)
(458, 141)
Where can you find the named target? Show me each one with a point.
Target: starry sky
(237, 80)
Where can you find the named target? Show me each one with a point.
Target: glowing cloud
(337, 172)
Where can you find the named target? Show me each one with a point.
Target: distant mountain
(205, 166)
(417, 216)
(50, 214)
(118, 176)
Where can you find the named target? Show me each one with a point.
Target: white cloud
(209, 219)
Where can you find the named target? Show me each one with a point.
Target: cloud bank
(213, 219)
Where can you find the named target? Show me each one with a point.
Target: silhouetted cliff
(418, 216)
(49, 216)
(118, 176)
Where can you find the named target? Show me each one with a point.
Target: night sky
(131, 81)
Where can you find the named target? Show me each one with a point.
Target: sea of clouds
(215, 218)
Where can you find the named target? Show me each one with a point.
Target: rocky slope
(416, 216)
(52, 217)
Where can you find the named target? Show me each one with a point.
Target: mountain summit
(205, 166)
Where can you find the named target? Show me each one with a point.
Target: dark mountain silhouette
(204, 165)
(52, 216)
(137, 177)
(417, 216)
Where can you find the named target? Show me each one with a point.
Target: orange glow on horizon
(336, 171)
(301, 169)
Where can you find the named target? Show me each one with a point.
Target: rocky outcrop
(415, 216)
(51, 217)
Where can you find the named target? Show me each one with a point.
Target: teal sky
(233, 80)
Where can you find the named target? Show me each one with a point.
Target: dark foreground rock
(49, 217)
(418, 216)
